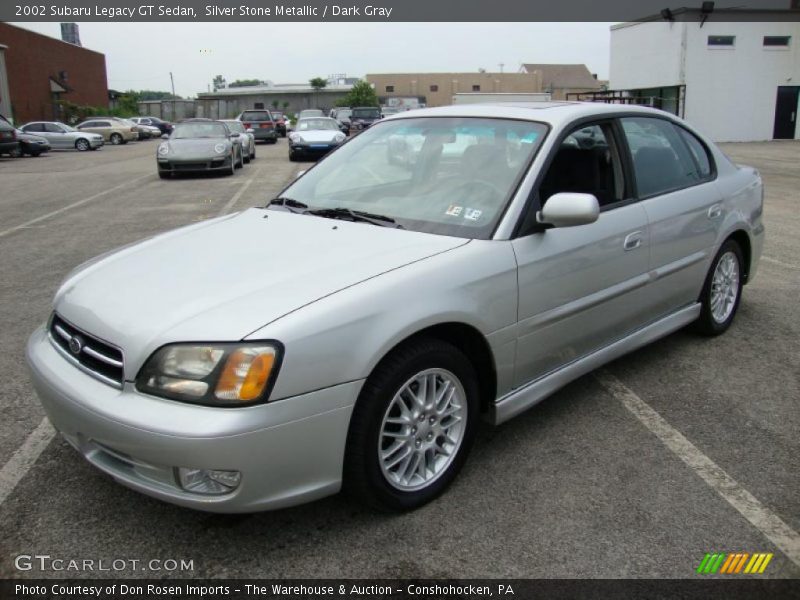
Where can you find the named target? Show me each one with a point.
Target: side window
(588, 162)
(51, 128)
(34, 127)
(661, 161)
(87, 124)
(103, 124)
(699, 152)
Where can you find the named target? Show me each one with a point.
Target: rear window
(256, 115)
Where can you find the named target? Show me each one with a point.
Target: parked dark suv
(262, 124)
(8, 137)
(362, 117)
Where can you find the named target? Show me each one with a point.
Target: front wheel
(722, 290)
(82, 145)
(412, 426)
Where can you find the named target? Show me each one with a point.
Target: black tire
(292, 158)
(706, 323)
(233, 165)
(35, 154)
(82, 145)
(164, 174)
(363, 476)
(253, 154)
(116, 139)
(240, 162)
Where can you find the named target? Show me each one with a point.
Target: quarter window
(698, 151)
(661, 160)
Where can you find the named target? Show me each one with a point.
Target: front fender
(343, 336)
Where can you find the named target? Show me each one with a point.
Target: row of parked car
(38, 137)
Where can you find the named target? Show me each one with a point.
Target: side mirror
(251, 130)
(235, 134)
(568, 209)
(164, 136)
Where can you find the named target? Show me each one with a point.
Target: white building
(733, 78)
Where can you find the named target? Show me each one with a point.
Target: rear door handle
(715, 211)
(633, 240)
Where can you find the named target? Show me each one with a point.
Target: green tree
(318, 83)
(362, 94)
(244, 83)
(275, 104)
(218, 82)
(285, 105)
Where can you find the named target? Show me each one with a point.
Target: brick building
(40, 71)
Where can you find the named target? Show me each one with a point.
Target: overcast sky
(141, 55)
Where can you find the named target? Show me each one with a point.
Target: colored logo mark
(734, 563)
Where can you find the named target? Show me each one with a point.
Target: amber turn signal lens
(245, 374)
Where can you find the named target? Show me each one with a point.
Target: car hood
(318, 135)
(223, 279)
(195, 147)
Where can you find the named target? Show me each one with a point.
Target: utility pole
(501, 65)
(172, 82)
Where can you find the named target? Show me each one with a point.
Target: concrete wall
(169, 110)
(730, 91)
(32, 59)
(222, 106)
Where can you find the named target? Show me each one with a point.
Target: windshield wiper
(347, 214)
(289, 204)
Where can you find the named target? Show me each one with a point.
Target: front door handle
(633, 240)
(715, 211)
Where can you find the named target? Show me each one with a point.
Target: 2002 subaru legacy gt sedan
(515, 248)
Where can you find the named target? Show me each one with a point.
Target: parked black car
(362, 117)
(32, 145)
(8, 137)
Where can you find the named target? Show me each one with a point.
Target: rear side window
(33, 127)
(698, 151)
(661, 160)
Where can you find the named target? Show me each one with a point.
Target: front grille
(98, 358)
(196, 166)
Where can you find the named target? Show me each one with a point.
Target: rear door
(55, 134)
(675, 175)
(581, 288)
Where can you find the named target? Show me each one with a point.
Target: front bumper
(96, 143)
(288, 452)
(218, 163)
(311, 150)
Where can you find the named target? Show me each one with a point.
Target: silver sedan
(64, 137)
(518, 248)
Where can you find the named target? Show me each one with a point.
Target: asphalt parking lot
(588, 484)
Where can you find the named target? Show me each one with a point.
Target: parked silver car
(199, 145)
(246, 139)
(63, 137)
(416, 299)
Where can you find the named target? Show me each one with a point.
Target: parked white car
(354, 332)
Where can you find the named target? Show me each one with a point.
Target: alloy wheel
(724, 287)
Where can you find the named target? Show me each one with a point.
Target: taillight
(247, 125)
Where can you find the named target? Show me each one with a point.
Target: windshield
(312, 112)
(366, 113)
(343, 113)
(450, 176)
(307, 124)
(199, 130)
(235, 126)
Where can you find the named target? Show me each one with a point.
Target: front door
(786, 112)
(581, 287)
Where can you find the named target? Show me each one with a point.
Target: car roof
(554, 113)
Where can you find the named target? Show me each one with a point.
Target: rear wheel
(232, 170)
(116, 139)
(722, 290)
(412, 426)
(82, 145)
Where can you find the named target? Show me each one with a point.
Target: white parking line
(775, 261)
(27, 224)
(24, 458)
(26, 455)
(232, 202)
(762, 518)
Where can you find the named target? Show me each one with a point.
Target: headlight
(163, 149)
(339, 138)
(212, 374)
(296, 138)
(220, 148)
